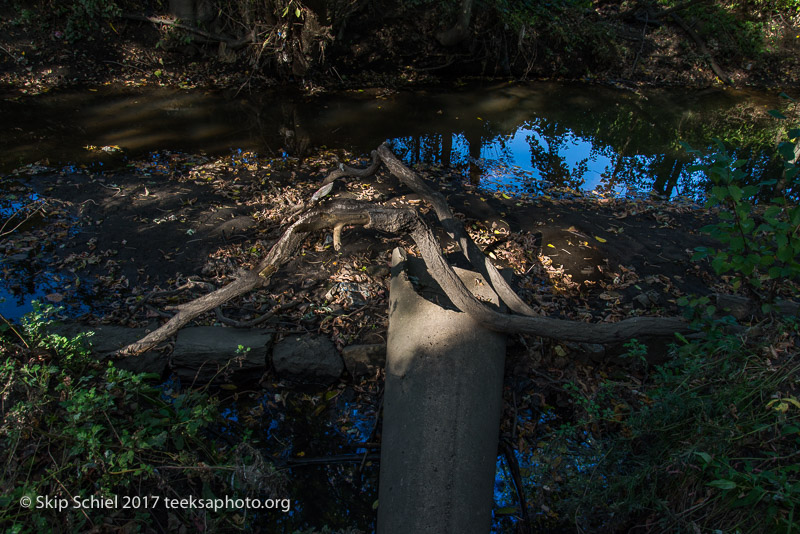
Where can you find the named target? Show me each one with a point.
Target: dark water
(508, 136)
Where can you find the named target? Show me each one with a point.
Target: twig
(11, 326)
(516, 476)
(641, 47)
(335, 459)
(124, 65)
(258, 320)
(4, 232)
(4, 49)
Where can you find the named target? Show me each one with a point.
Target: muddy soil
(128, 239)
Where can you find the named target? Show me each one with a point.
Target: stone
(364, 360)
(109, 338)
(310, 359)
(205, 354)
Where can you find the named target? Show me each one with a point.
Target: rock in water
(310, 358)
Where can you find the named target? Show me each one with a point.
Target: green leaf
(752, 497)
(786, 150)
(790, 429)
(777, 114)
(705, 456)
(736, 192)
(297, 12)
(723, 484)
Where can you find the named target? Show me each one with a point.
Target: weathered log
(441, 409)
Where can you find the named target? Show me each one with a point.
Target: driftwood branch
(407, 221)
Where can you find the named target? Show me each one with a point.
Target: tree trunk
(191, 11)
(460, 30)
(441, 409)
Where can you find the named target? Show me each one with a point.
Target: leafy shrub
(760, 244)
(708, 444)
(74, 427)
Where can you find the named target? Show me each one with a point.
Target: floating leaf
(54, 297)
(600, 239)
(551, 246)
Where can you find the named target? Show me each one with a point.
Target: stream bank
(395, 45)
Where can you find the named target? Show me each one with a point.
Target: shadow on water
(510, 136)
(326, 440)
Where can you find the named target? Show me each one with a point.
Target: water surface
(525, 137)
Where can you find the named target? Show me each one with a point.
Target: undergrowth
(74, 428)
(709, 444)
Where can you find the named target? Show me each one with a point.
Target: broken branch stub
(407, 221)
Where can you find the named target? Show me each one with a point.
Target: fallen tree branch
(405, 221)
(703, 49)
(233, 44)
(456, 231)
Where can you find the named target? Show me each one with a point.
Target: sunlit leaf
(600, 239)
(322, 192)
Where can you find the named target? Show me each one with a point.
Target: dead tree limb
(456, 231)
(233, 44)
(405, 221)
(701, 46)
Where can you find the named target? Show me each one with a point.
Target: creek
(522, 137)
(542, 138)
